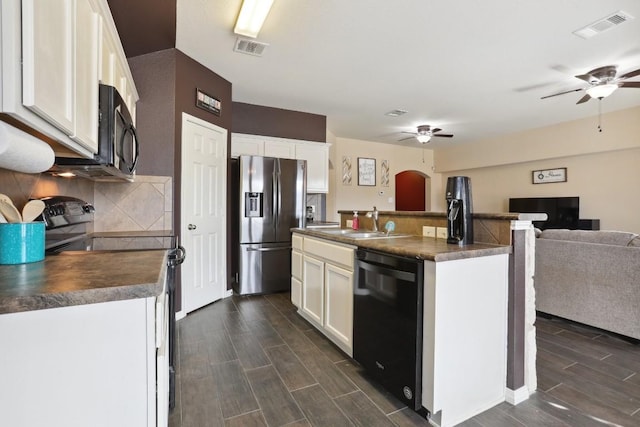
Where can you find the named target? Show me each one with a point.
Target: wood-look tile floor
(253, 361)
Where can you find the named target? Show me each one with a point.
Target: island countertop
(427, 248)
(75, 278)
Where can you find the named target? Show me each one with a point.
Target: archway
(413, 191)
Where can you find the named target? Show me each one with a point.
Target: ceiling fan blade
(404, 139)
(561, 93)
(588, 78)
(443, 135)
(436, 130)
(629, 84)
(630, 74)
(584, 99)
(412, 133)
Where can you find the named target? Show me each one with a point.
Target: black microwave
(118, 146)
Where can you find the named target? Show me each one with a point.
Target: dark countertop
(427, 248)
(76, 278)
(509, 216)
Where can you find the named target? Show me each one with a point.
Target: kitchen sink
(338, 231)
(355, 234)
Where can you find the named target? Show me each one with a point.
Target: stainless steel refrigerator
(272, 200)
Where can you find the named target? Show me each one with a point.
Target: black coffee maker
(459, 210)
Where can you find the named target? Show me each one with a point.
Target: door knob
(192, 227)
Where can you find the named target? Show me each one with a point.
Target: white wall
(602, 168)
(363, 198)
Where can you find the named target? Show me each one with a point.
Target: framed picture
(549, 175)
(346, 170)
(384, 173)
(366, 171)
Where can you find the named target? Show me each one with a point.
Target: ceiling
(476, 69)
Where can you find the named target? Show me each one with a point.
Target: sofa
(591, 277)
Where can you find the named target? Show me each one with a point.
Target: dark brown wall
(191, 75)
(269, 121)
(145, 26)
(155, 77)
(167, 82)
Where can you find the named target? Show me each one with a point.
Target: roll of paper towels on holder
(22, 152)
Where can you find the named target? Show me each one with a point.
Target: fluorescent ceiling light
(423, 139)
(251, 17)
(602, 91)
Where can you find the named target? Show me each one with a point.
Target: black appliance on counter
(459, 210)
(118, 146)
(63, 211)
(387, 322)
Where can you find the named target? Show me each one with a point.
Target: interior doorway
(413, 191)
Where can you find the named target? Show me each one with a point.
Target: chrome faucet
(374, 214)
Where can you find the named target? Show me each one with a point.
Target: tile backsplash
(146, 204)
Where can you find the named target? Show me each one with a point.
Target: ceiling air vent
(250, 47)
(603, 24)
(396, 113)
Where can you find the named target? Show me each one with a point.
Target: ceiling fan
(425, 133)
(602, 83)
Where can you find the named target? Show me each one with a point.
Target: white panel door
(203, 211)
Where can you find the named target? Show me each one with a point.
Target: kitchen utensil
(6, 198)
(3, 220)
(9, 211)
(31, 210)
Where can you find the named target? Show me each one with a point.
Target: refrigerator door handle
(285, 248)
(274, 198)
(279, 192)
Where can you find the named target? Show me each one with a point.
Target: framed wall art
(346, 170)
(366, 171)
(384, 173)
(549, 175)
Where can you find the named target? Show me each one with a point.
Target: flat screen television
(563, 212)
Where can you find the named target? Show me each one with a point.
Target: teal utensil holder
(22, 242)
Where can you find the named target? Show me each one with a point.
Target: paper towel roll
(22, 152)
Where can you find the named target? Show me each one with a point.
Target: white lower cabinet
(326, 295)
(338, 319)
(313, 288)
(464, 337)
(84, 365)
(296, 270)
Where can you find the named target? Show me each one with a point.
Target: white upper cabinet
(315, 153)
(280, 149)
(52, 62)
(48, 57)
(246, 145)
(60, 71)
(86, 65)
(317, 157)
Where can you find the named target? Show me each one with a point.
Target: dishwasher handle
(406, 276)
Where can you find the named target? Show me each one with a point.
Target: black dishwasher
(387, 323)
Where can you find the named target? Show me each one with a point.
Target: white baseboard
(517, 396)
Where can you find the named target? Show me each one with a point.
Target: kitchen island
(83, 336)
(464, 331)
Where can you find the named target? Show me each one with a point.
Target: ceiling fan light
(423, 139)
(251, 17)
(602, 91)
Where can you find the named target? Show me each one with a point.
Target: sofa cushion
(619, 238)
